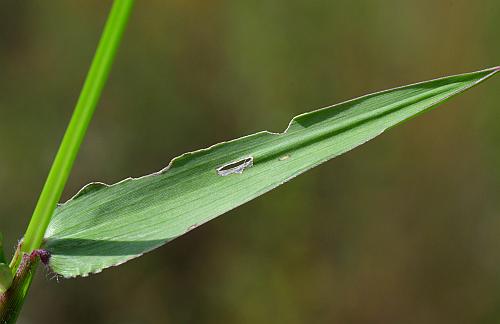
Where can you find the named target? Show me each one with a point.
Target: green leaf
(6, 277)
(106, 225)
(5, 272)
(2, 255)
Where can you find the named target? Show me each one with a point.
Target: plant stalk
(26, 258)
(85, 107)
(12, 300)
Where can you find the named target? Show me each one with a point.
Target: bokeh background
(405, 229)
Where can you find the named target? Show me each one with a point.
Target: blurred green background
(405, 229)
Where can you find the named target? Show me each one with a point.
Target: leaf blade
(105, 225)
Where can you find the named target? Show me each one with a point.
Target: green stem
(25, 261)
(91, 92)
(12, 300)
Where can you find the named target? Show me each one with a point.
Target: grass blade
(105, 225)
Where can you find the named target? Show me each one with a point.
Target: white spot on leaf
(235, 167)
